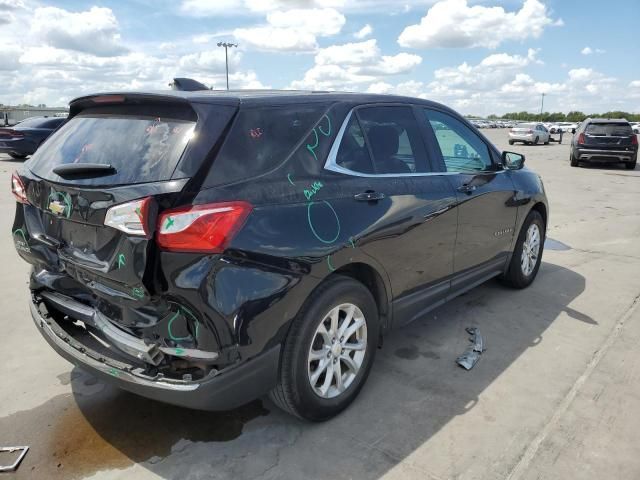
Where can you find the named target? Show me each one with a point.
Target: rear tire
(573, 160)
(305, 370)
(510, 142)
(527, 255)
(631, 166)
(536, 140)
(17, 156)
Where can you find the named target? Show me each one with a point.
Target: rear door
(408, 209)
(486, 212)
(95, 187)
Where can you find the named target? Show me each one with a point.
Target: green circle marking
(331, 267)
(313, 230)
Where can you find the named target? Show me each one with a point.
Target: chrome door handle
(467, 188)
(369, 196)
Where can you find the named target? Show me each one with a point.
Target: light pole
(541, 104)
(226, 46)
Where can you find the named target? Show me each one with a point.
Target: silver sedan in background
(529, 133)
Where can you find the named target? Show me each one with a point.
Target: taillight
(581, 139)
(11, 133)
(131, 217)
(634, 140)
(201, 228)
(17, 188)
(529, 131)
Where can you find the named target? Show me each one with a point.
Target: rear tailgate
(608, 136)
(97, 226)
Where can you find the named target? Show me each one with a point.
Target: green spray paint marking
(21, 245)
(312, 148)
(313, 230)
(169, 224)
(139, 213)
(353, 245)
(121, 261)
(182, 310)
(313, 189)
(326, 134)
(179, 351)
(289, 178)
(114, 372)
(329, 263)
(137, 292)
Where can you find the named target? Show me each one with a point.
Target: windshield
(140, 148)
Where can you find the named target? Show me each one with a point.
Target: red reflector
(17, 188)
(581, 138)
(108, 99)
(201, 228)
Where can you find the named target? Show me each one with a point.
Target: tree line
(574, 116)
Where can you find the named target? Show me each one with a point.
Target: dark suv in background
(205, 248)
(604, 140)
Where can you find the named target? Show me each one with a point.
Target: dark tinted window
(394, 139)
(263, 137)
(609, 129)
(353, 154)
(462, 149)
(141, 148)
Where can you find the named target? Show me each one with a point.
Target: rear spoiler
(187, 85)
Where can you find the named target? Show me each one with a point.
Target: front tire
(536, 140)
(573, 160)
(527, 255)
(510, 142)
(328, 353)
(17, 156)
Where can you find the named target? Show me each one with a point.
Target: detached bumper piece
(219, 390)
(472, 354)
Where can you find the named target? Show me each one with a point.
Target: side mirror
(573, 130)
(512, 161)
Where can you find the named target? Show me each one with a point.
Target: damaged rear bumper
(221, 390)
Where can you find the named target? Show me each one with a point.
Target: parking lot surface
(554, 396)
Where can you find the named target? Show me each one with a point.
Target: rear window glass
(609, 129)
(142, 148)
(261, 139)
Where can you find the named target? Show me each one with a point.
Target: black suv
(604, 140)
(205, 248)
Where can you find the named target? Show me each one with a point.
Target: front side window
(462, 150)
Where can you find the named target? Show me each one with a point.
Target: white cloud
(590, 51)
(634, 84)
(292, 30)
(94, 31)
(352, 64)
(364, 32)
(455, 24)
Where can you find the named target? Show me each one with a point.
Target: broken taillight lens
(17, 188)
(201, 228)
(130, 217)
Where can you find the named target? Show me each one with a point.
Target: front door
(485, 192)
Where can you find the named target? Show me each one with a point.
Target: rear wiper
(85, 169)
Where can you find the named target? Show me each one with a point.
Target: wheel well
(370, 278)
(542, 210)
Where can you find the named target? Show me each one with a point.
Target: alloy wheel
(337, 350)
(530, 250)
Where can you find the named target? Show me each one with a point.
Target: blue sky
(479, 56)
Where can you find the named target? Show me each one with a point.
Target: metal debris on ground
(14, 466)
(472, 354)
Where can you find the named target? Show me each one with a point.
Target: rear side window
(394, 138)
(609, 129)
(261, 138)
(353, 154)
(142, 147)
(35, 122)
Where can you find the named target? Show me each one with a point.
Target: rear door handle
(467, 188)
(369, 196)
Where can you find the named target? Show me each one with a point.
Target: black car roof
(265, 97)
